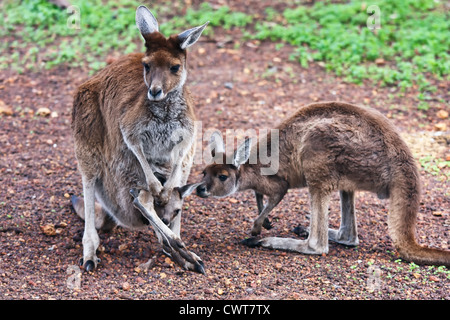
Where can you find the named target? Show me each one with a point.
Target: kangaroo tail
(102, 220)
(404, 205)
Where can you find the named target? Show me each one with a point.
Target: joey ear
(146, 21)
(216, 143)
(189, 37)
(242, 153)
(187, 189)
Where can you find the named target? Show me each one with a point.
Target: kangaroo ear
(242, 153)
(189, 37)
(146, 21)
(187, 189)
(216, 144)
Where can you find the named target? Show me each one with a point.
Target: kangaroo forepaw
(134, 192)
(251, 242)
(301, 231)
(267, 224)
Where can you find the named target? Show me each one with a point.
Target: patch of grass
(435, 166)
(410, 48)
(52, 38)
(45, 36)
(411, 45)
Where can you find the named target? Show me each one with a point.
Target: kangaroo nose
(201, 191)
(166, 222)
(155, 91)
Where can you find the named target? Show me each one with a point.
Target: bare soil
(236, 85)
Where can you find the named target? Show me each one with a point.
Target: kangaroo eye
(177, 212)
(146, 66)
(223, 177)
(175, 68)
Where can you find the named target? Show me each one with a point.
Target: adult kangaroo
(328, 147)
(133, 121)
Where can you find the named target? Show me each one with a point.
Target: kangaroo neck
(169, 108)
(248, 177)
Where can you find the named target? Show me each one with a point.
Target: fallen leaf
(44, 112)
(442, 114)
(437, 213)
(49, 229)
(433, 278)
(441, 126)
(5, 110)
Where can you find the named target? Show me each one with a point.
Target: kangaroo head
(164, 63)
(221, 180)
(172, 209)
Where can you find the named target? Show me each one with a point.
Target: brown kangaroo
(133, 121)
(326, 147)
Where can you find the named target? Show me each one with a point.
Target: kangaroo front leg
(271, 203)
(172, 245)
(173, 181)
(133, 143)
(90, 236)
(347, 233)
(260, 204)
(317, 241)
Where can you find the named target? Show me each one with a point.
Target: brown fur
(327, 147)
(125, 137)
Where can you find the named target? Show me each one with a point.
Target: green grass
(45, 36)
(413, 39)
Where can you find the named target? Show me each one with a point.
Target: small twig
(16, 230)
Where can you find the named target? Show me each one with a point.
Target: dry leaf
(442, 114)
(44, 112)
(49, 229)
(5, 110)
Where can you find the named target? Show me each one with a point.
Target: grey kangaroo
(132, 121)
(328, 147)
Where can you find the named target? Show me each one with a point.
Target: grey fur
(327, 147)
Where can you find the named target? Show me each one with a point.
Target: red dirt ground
(38, 173)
